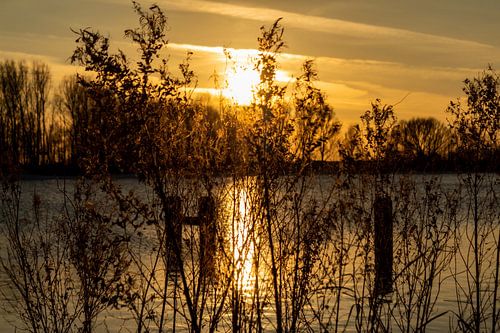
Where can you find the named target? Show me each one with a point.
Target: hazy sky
(363, 49)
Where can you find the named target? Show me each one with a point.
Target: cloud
(391, 74)
(321, 24)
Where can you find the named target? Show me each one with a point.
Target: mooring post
(208, 235)
(207, 231)
(383, 245)
(174, 218)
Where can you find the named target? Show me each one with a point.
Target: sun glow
(241, 84)
(242, 78)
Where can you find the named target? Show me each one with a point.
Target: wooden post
(174, 217)
(383, 245)
(207, 231)
(208, 236)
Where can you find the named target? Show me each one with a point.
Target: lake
(322, 252)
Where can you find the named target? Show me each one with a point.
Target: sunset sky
(363, 49)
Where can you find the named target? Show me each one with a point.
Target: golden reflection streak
(243, 249)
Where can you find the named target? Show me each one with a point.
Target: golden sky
(364, 49)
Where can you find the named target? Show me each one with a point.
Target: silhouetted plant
(425, 218)
(288, 219)
(314, 121)
(476, 127)
(154, 129)
(96, 249)
(477, 123)
(41, 290)
(371, 148)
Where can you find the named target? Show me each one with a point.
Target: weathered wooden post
(208, 236)
(174, 218)
(205, 221)
(383, 245)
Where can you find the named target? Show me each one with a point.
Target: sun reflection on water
(243, 244)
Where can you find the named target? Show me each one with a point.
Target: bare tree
(14, 90)
(424, 139)
(40, 85)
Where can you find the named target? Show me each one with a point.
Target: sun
(242, 78)
(241, 83)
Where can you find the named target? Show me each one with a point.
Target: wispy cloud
(342, 68)
(318, 24)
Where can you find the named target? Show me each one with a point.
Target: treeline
(26, 132)
(40, 127)
(43, 129)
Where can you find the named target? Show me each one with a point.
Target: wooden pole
(383, 245)
(208, 235)
(173, 215)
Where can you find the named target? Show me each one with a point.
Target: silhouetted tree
(73, 105)
(40, 85)
(423, 141)
(14, 91)
(31, 129)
